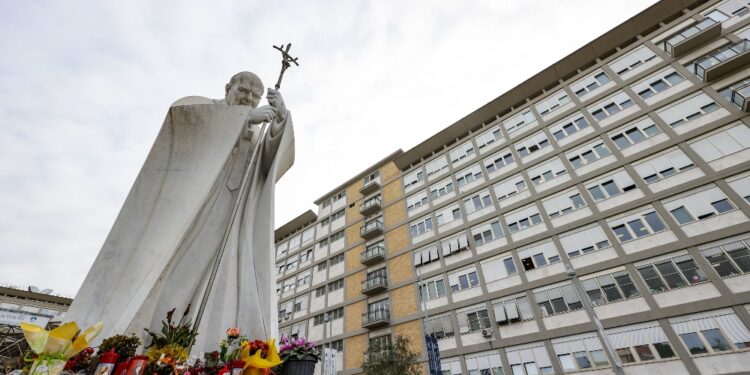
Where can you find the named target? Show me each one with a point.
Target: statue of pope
(160, 251)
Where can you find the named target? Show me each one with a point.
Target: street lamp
(326, 334)
(613, 358)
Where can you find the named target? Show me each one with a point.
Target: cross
(286, 61)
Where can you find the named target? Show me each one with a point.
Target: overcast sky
(85, 86)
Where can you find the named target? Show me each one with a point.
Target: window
(337, 215)
(733, 92)
(436, 166)
(553, 103)
(300, 303)
(308, 234)
(339, 196)
(498, 267)
(485, 363)
(656, 83)
(509, 187)
(486, 233)
(280, 269)
(291, 264)
(539, 255)
(729, 258)
(512, 310)
(584, 241)
(374, 176)
(558, 300)
(726, 142)
(529, 359)
(454, 244)
(532, 144)
(299, 329)
(588, 154)
(325, 221)
(580, 352)
(523, 219)
(472, 319)
(665, 165)
(319, 319)
(375, 278)
(686, 33)
(288, 284)
(448, 215)
(420, 227)
(320, 291)
(490, 136)
(441, 188)
(633, 133)
(609, 288)
(294, 242)
(305, 256)
(463, 151)
(413, 178)
(563, 204)
(610, 106)
(468, 175)
(336, 259)
(425, 255)
(688, 110)
(477, 201)
(416, 201)
(303, 278)
(432, 289)
(568, 127)
(590, 84)
(325, 203)
(547, 171)
(282, 248)
(741, 186)
(439, 326)
(638, 225)
(499, 160)
(640, 343)
(336, 285)
(610, 186)
(671, 273)
(463, 279)
(711, 332)
(635, 61)
(525, 117)
(323, 243)
(699, 205)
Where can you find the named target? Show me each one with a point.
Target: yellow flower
(58, 340)
(254, 364)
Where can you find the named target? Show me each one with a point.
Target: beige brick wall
(394, 214)
(353, 316)
(353, 285)
(353, 257)
(352, 191)
(397, 239)
(352, 234)
(400, 268)
(404, 301)
(412, 330)
(352, 214)
(354, 347)
(389, 171)
(392, 192)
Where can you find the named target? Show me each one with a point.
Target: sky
(85, 86)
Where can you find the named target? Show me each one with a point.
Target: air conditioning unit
(487, 332)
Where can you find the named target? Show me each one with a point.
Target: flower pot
(305, 366)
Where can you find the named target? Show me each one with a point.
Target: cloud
(84, 88)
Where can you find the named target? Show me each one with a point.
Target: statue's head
(244, 88)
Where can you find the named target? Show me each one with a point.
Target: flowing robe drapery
(160, 250)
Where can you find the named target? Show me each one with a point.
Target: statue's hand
(277, 102)
(260, 115)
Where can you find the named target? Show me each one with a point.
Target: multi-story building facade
(594, 218)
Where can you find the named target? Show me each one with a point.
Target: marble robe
(160, 250)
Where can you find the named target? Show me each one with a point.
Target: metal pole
(611, 354)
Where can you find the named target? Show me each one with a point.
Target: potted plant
(169, 347)
(299, 356)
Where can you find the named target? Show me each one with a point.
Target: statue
(191, 231)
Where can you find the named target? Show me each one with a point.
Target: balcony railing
(373, 254)
(371, 229)
(376, 318)
(370, 186)
(692, 36)
(741, 97)
(371, 205)
(374, 284)
(373, 356)
(726, 60)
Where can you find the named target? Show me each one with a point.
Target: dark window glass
(690, 270)
(693, 343)
(654, 222)
(740, 254)
(652, 279)
(578, 202)
(625, 355)
(670, 274)
(644, 353)
(611, 188)
(622, 233)
(582, 360)
(621, 142)
(596, 193)
(674, 78)
(682, 215)
(723, 205)
(635, 135)
(638, 228)
(652, 130)
(716, 340)
(659, 86)
(720, 262)
(626, 284)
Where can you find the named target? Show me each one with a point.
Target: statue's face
(245, 91)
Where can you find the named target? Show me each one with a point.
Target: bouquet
(169, 347)
(297, 348)
(53, 348)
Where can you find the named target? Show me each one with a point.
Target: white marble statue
(160, 251)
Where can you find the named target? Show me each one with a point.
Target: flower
(233, 332)
(260, 357)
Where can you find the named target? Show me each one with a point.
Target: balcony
(741, 97)
(374, 285)
(371, 229)
(692, 36)
(376, 318)
(726, 60)
(371, 206)
(373, 254)
(370, 186)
